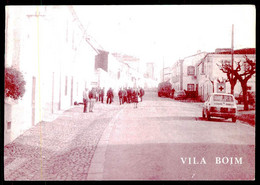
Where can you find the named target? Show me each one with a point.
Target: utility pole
(232, 57)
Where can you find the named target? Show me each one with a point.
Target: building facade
(210, 78)
(199, 74)
(48, 46)
(184, 75)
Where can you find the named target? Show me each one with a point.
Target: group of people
(94, 95)
(89, 97)
(129, 95)
(126, 95)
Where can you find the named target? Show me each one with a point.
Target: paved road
(168, 140)
(162, 139)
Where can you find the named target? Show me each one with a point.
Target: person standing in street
(85, 100)
(129, 95)
(120, 95)
(124, 96)
(97, 93)
(110, 96)
(101, 94)
(92, 97)
(141, 94)
(135, 98)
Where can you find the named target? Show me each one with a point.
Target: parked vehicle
(179, 95)
(164, 89)
(250, 97)
(220, 105)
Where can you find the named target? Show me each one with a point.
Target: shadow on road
(214, 119)
(183, 118)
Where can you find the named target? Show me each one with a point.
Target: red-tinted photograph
(129, 92)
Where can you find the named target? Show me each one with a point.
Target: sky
(157, 33)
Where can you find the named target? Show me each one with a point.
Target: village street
(162, 139)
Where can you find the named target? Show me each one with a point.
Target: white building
(47, 44)
(209, 75)
(184, 73)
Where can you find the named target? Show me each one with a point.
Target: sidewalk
(247, 116)
(61, 149)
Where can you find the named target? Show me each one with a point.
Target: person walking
(129, 95)
(109, 96)
(120, 96)
(141, 94)
(92, 97)
(85, 100)
(97, 93)
(124, 96)
(101, 94)
(135, 98)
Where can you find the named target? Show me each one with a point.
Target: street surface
(162, 139)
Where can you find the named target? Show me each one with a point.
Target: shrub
(14, 83)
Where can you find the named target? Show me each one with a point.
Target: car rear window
(223, 98)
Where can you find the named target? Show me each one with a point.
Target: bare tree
(225, 66)
(242, 72)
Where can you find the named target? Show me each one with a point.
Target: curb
(96, 168)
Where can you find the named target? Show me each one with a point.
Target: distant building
(184, 74)
(209, 75)
(150, 70)
(166, 74)
(132, 61)
(199, 74)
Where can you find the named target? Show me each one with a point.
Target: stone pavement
(61, 149)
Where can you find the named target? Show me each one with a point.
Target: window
(223, 98)
(9, 125)
(190, 87)
(191, 70)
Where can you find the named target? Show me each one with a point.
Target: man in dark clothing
(124, 96)
(110, 96)
(129, 95)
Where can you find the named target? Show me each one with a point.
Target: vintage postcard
(137, 92)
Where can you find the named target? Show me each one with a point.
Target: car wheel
(234, 119)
